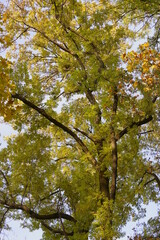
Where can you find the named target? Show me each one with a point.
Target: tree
(86, 113)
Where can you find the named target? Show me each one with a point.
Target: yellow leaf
(129, 68)
(135, 84)
(145, 45)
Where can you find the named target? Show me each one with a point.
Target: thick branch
(35, 215)
(54, 121)
(90, 97)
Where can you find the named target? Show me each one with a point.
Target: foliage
(86, 113)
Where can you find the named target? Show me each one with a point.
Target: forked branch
(55, 122)
(34, 215)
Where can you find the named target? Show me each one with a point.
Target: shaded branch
(2, 221)
(114, 165)
(139, 123)
(7, 183)
(93, 101)
(152, 180)
(25, 30)
(141, 133)
(54, 121)
(64, 231)
(155, 177)
(114, 148)
(44, 198)
(115, 102)
(56, 231)
(84, 133)
(141, 180)
(104, 185)
(34, 215)
(25, 189)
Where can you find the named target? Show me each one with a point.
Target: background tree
(77, 168)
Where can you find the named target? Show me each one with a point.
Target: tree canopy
(86, 110)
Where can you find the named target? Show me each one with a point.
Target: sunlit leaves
(146, 66)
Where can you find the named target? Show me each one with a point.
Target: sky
(18, 233)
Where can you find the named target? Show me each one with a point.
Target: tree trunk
(104, 185)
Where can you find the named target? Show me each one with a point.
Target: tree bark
(114, 165)
(104, 185)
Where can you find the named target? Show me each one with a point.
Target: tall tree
(86, 115)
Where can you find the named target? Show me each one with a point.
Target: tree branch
(139, 123)
(114, 165)
(2, 221)
(115, 102)
(58, 231)
(60, 46)
(152, 180)
(114, 147)
(84, 133)
(51, 194)
(65, 27)
(20, 35)
(64, 231)
(35, 215)
(141, 133)
(93, 101)
(155, 177)
(7, 183)
(54, 121)
(58, 124)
